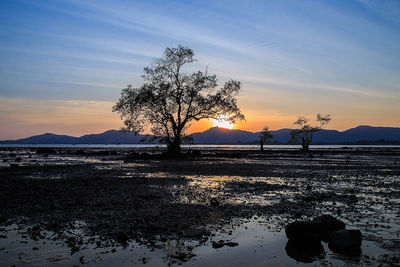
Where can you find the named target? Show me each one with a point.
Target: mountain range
(215, 135)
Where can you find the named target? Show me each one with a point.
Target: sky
(63, 63)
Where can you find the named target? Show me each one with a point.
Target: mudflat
(109, 200)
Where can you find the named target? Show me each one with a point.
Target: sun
(222, 123)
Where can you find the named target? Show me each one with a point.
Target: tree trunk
(174, 148)
(304, 144)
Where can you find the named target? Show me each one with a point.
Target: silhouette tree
(305, 133)
(264, 136)
(171, 99)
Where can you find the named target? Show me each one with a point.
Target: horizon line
(194, 132)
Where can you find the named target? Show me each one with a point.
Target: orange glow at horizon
(222, 123)
(21, 118)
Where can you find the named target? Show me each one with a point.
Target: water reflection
(305, 252)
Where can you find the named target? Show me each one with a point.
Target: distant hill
(47, 138)
(108, 137)
(216, 135)
(111, 137)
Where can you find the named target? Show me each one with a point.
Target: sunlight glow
(222, 123)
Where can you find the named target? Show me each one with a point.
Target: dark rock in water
(345, 241)
(231, 244)
(316, 230)
(218, 244)
(326, 224)
(14, 165)
(305, 251)
(122, 238)
(222, 243)
(302, 231)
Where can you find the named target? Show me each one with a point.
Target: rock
(301, 231)
(305, 251)
(122, 238)
(316, 230)
(231, 244)
(222, 243)
(326, 224)
(345, 241)
(218, 244)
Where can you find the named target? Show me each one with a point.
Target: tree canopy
(170, 99)
(264, 136)
(304, 134)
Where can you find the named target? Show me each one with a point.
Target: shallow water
(259, 245)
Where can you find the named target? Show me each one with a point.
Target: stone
(316, 230)
(231, 244)
(301, 231)
(218, 244)
(122, 238)
(345, 241)
(325, 225)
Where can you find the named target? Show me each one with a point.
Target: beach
(75, 206)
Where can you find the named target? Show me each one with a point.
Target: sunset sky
(63, 63)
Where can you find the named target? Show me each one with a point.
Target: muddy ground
(118, 197)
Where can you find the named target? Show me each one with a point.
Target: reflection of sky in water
(260, 244)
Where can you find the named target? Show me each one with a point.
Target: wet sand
(107, 206)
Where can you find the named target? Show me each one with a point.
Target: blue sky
(63, 63)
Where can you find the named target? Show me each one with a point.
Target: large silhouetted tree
(305, 133)
(170, 99)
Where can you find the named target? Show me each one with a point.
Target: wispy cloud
(389, 9)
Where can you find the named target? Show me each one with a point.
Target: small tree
(264, 136)
(170, 99)
(306, 132)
